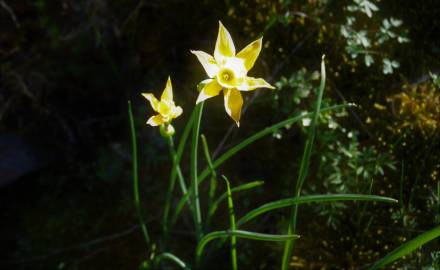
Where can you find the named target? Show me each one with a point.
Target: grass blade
(310, 199)
(213, 180)
(232, 223)
(231, 152)
(304, 167)
(137, 201)
(407, 248)
(242, 187)
(173, 258)
(241, 234)
(179, 209)
(266, 131)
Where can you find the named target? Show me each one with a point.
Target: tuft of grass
(237, 148)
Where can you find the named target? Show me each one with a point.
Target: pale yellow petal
(177, 111)
(167, 94)
(250, 53)
(202, 84)
(211, 89)
(233, 104)
(250, 83)
(208, 63)
(155, 120)
(224, 46)
(153, 101)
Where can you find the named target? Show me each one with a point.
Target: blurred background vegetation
(68, 68)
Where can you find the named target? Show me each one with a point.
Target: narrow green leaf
(176, 171)
(241, 234)
(232, 224)
(407, 248)
(212, 182)
(137, 200)
(173, 258)
(178, 156)
(304, 167)
(242, 187)
(310, 199)
(172, 180)
(266, 131)
(231, 152)
(215, 205)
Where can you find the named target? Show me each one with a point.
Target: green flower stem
(175, 171)
(288, 246)
(172, 181)
(193, 170)
(137, 201)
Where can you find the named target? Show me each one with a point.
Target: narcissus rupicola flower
(165, 107)
(228, 72)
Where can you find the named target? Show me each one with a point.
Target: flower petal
(250, 53)
(224, 47)
(208, 63)
(167, 94)
(177, 111)
(209, 90)
(233, 103)
(251, 83)
(153, 101)
(156, 120)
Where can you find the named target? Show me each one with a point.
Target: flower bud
(167, 130)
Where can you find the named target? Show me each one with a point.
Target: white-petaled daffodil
(165, 107)
(228, 71)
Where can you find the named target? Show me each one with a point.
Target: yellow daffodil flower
(165, 107)
(228, 71)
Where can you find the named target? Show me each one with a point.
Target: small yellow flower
(228, 71)
(165, 107)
